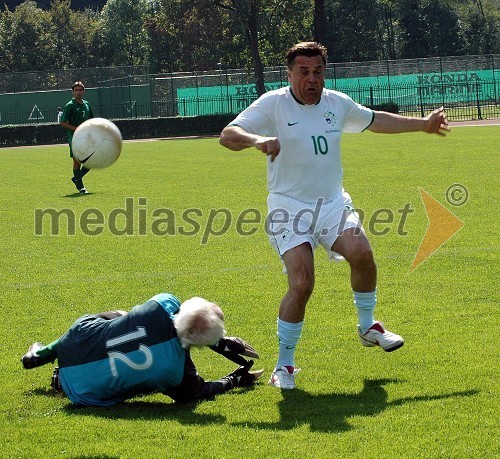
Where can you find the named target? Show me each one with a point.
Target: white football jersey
(308, 166)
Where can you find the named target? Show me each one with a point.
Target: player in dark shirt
(110, 357)
(75, 112)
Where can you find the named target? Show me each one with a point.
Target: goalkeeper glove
(233, 348)
(242, 377)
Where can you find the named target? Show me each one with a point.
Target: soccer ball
(97, 143)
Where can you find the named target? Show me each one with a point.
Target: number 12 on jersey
(115, 355)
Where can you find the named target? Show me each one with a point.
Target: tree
(319, 22)
(72, 35)
(283, 24)
(176, 35)
(123, 36)
(387, 27)
(205, 39)
(78, 5)
(354, 32)
(429, 28)
(187, 36)
(481, 27)
(160, 37)
(5, 56)
(28, 40)
(443, 32)
(247, 12)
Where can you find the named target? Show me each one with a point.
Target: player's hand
(268, 145)
(242, 377)
(234, 345)
(234, 348)
(437, 122)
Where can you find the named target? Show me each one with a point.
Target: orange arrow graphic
(442, 226)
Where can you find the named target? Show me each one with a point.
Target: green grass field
(437, 397)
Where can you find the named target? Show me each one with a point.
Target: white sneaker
(377, 335)
(282, 379)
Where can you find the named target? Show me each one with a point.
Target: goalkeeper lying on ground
(109, 357)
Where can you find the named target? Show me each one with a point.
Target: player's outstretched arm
(390, 123)
(194, 387)
(236, 138)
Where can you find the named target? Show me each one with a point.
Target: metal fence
(385, 71)
(467, 86)
(463, 101)
(52, 80)
(413, 105)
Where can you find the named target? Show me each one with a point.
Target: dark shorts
(70, 139)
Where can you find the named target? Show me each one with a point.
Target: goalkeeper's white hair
(199, 323)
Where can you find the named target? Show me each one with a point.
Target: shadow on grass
(140, 410)
(95, 457)
(76, 194)
(330, 412)
(323, 412)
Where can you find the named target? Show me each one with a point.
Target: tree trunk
(319, 21)
(253, 38)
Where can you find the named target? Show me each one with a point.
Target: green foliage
(431, 29)
(72, 33)
(481, 27)
(353, 34)
(28, 37)
(175, 35)
(390, 107)
(283, 23)
(436, 397)
(122, 23)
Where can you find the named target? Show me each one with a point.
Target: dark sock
(77, 178)
(84, 170)
(48, 353)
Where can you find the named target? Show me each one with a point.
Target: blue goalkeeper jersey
(102, 362)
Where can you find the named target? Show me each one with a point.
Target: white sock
(288, 337)
(365, 305)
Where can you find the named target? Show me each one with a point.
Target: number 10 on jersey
(320, 144)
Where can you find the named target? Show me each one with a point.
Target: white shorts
(291, 222)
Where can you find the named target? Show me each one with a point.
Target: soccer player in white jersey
(299, 129)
